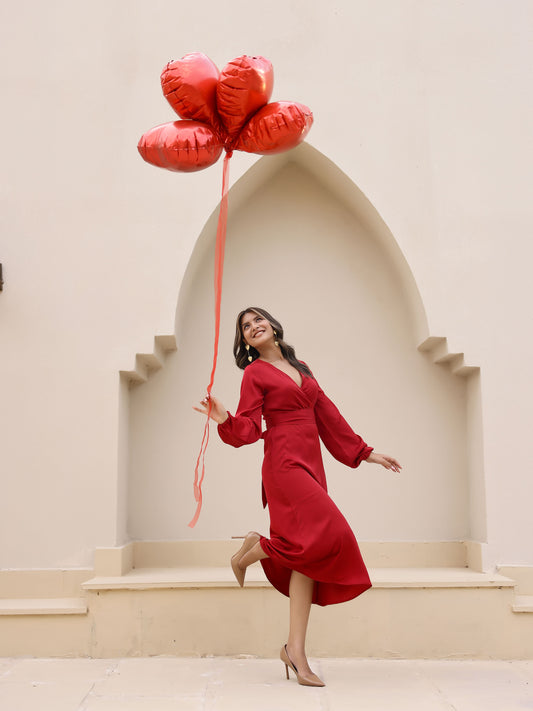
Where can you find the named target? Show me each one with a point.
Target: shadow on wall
(311, 250)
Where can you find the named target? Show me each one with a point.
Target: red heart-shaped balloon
(244, 86)
(275, 128)
(181, 146)
(189, 85)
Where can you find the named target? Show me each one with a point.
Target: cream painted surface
(424, 106)
(159, 606)
(210, 553)
(295, 249)
(523, 575)
(388, 622)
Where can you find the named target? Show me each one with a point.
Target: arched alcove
(305, 243)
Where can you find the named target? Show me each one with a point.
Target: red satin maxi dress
(308, 533)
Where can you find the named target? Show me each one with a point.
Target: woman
(312, 555)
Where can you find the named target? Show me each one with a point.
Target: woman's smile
(256, 329)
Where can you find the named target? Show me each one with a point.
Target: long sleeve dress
(308, 533)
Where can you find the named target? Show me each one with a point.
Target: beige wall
(422, 105)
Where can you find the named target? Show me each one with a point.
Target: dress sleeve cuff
(367, 451)
(226, 425)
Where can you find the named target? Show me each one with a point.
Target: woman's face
(256, 330)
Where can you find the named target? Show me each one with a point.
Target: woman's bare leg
(254, 554)
(301, 595)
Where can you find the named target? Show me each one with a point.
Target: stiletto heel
(249, 542)
(311, 680)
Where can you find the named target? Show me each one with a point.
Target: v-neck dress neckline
(284, 373)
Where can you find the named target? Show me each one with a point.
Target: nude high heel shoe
(249, 542)
(311, 680)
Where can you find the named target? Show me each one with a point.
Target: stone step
(222, 577)
(409, 612)
(43, 606)
(200, 610)
(523, 603)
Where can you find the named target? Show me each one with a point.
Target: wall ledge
(148, 363)
(438, 350)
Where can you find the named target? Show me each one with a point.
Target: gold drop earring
(247, 346)
(275, 338)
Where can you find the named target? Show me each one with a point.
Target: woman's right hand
(216, 412)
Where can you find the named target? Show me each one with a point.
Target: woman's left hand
(385, 461)
(216, 411)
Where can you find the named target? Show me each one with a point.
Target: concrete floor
(232, 684)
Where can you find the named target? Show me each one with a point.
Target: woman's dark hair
(239, 346)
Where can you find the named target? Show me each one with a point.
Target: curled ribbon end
(192, 523)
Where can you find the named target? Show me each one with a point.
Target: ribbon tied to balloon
(220, 111)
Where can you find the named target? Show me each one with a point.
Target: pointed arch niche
(304, 243)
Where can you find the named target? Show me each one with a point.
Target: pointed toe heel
(304, 680)
(249, 542)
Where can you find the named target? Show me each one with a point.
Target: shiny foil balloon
(275, 128)
(225, 110)
(190, 87)
(245, 85)
(181, 146)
